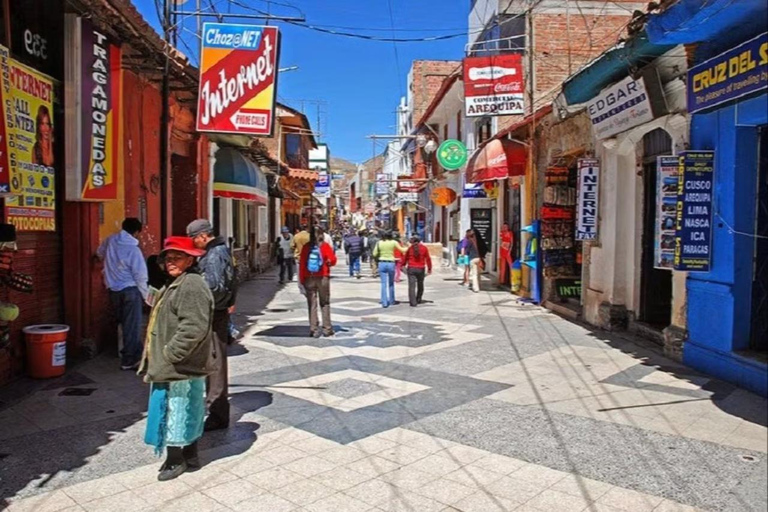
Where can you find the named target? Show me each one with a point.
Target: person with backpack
(384, 254)
(418, 264)
(317, 258)
(353, 246)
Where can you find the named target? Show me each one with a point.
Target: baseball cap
(199, 226)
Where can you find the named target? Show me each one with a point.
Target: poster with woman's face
(32, 153)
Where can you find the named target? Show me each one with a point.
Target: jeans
(354, 265)
(416, 285)
(126, 305)
(387, 273)
(286, 266)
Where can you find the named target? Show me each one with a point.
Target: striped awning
(236, 177)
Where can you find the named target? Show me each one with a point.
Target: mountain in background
(341, 166)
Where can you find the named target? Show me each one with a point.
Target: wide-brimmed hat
(181, 244)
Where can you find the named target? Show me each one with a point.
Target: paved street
(472, 402)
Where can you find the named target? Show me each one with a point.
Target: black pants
(217, 396)
(286, 267)
(416, 285)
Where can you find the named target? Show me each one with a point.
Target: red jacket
(329, 260)
(422, 260)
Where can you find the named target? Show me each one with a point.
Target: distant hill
(341, 166)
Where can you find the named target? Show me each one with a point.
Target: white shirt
(285, 246)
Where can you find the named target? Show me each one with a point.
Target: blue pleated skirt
(176, 413)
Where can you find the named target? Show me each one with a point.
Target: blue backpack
(315, 260)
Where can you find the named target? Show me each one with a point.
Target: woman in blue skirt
(178, 355)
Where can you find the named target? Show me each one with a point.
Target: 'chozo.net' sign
(238, 78)
(693, 227)
(735, 73)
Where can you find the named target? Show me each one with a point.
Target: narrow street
(471, 402)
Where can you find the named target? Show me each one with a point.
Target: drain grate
(77, 392)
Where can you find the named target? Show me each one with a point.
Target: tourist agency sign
(238, 79)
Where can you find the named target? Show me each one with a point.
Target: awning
(303, 174)
(610, 67)
(236, 177)
(498, 159)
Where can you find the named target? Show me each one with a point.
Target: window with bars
(505, 33)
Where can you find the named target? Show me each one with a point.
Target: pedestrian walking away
(317, 258)
(353, 246)
(384, 254)
(475, 251)
(218, 270)
(299, 239)
(373, 241)
(285, 255)
(126, 277)
(463, 259)
(179, 354)
(418, 264)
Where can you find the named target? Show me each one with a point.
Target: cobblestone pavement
(471, 402)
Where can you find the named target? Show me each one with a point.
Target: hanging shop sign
(452, 154)
(443, 196)
(693, 229)
(33, 207)
(323, 184)
(491, 189)
(481, 219)
(493, 85)
(474, 191)
(92, 160)
(382, 184)
(408, 186)
(6, 121)
(620, 107)
(238, 79)
(735, 73)
(568, 288)
(588, 198)
(666, 208)
(407, 197)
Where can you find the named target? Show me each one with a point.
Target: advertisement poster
(99, 99)
(382, 184)
(481, 219)
(587, 208)
(666, 208)
(238, 79)
(7, 124)
(693, 227)
(323, 184)
(735, 73)
(493, 85)
(32, 158)
(620, 107)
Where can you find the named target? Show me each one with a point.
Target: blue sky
(359, 81)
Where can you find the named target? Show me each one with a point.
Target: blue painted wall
(719, 301)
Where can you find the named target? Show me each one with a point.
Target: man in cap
(219, 273)
(285, 255)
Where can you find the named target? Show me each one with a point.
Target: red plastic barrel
(46, 350)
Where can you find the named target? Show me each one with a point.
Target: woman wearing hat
(178, 355)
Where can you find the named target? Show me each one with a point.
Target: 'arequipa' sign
(622, 106)
(238, 76)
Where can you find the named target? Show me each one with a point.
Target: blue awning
(610, 67)
(718, 23)
(236, 177)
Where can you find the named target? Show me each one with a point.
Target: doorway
(655, 284)
(758, 339)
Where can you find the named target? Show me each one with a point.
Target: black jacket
(353, 244)
(216, 267)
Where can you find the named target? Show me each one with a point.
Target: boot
(174, 465)
(191, 457)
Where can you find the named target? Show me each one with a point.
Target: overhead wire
(394, 44)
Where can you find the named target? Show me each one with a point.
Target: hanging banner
(666, 207)
(493, 86)
(588, 198)
(735, 73)
(94, 64)
(323, 184)
(382, 184)
(33, 207)
(6, 120)
(693, 228)
(620, 107)
(238, 79)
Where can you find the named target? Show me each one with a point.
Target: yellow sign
(32, 157)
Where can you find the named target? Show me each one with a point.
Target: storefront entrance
(759, 327)
(655, 284)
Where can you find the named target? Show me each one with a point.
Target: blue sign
(693, 226)
(735, 73)
(474, 191)
(233, 37)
